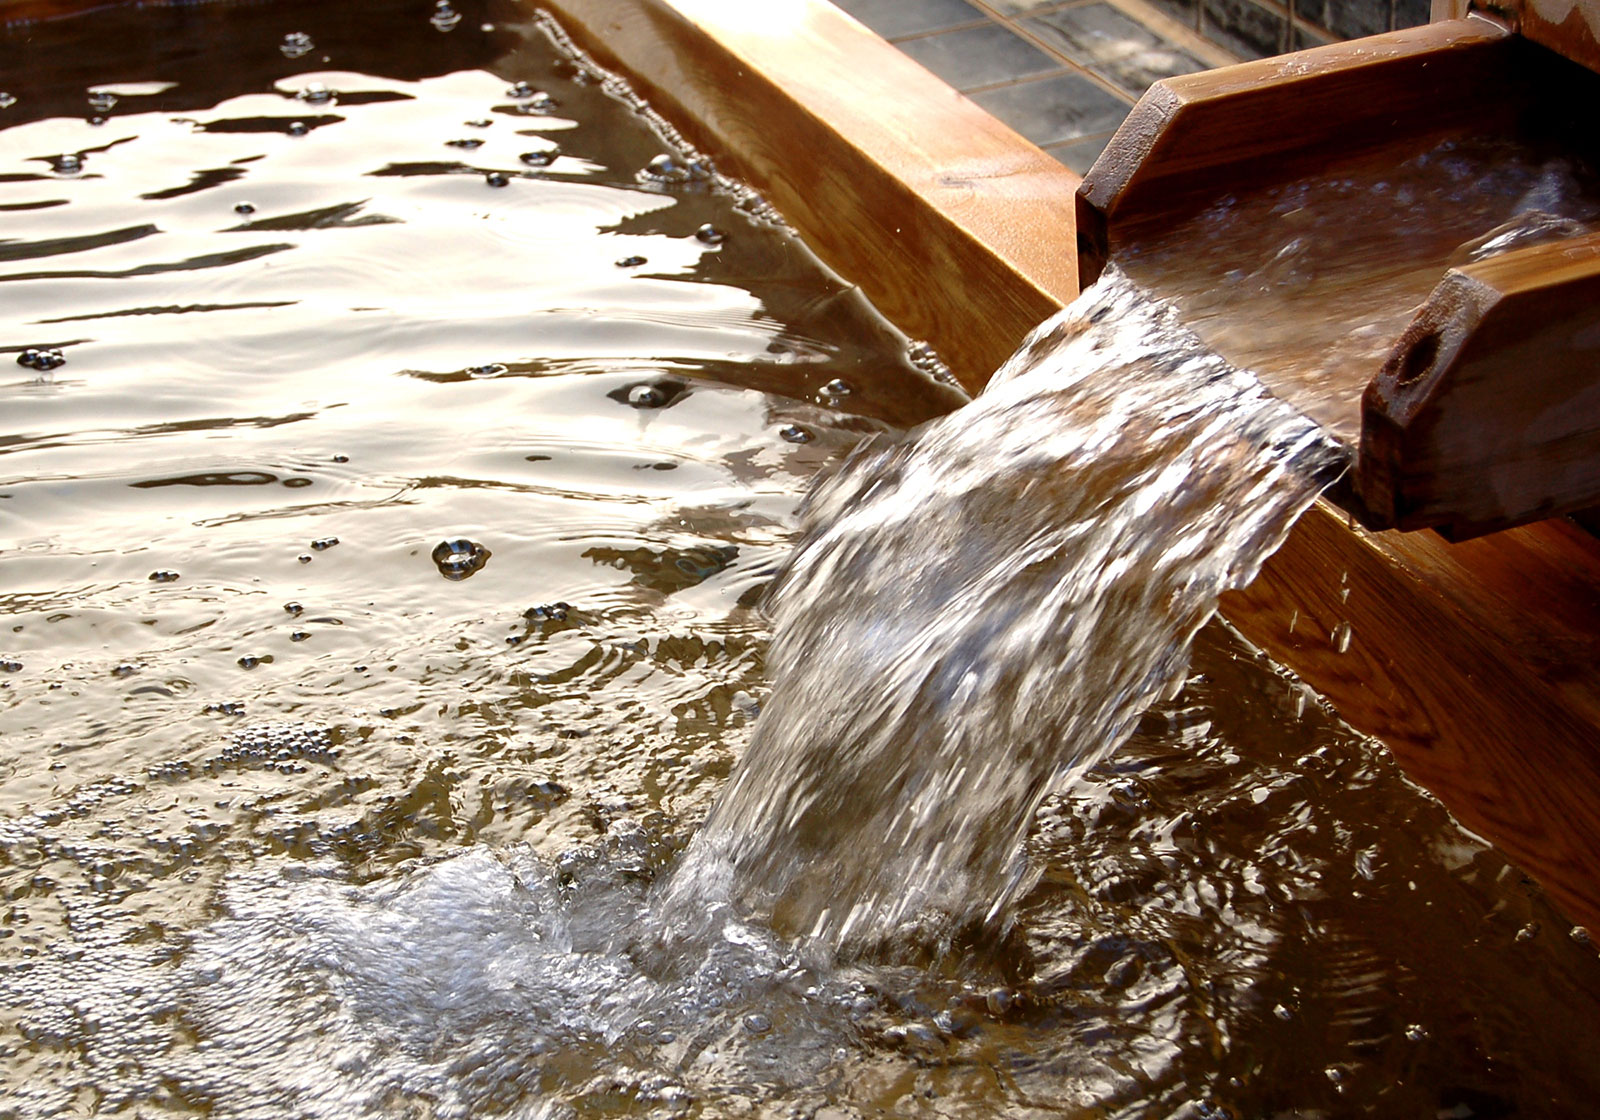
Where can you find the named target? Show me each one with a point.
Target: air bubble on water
(838, 387)
(925, 358)
(7, 100)
(96, 122)
(469, 143)
(315, 93)
(444, 17)
(68, 163)
(547, 612)
(296, 44)
(293, 608)
(341, 458)
(244, 208)
(298, 636)
(458, 558)
(663, 166)
(43, 359)
(1528, 932)
(520, 92)
(1282, 1012)
(249, 662)
(633, 261)
(497, 179)
(10, 665)
(298, 128)
(540, 102)
(102, 101)
(126, 669)
(478, 122)
(322, 544)
(1581, 935)
(757, 1023)
(163, 575)
(304, 558)
(540, 159)
(646, 396)
(1416, 1032)
(710, 235)
(484, 372)
(794, 433)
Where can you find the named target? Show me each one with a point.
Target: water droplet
(794, 433)
(68, 163)
(249, 662)
(757, 1023)
(710, 235)
(296, 44)
(322, 544)
(43, 359)
(7, 100)
(304, 558)
(497, 179)
(1416, 1032)
(299, 636)
(315, 93)
(520, 92)
(493, 369)
(245, 208)
(163, 575)
(468, 143)
(631, 262)
(10, 665)
(1580, 934)
(298, 128)
(458, 558)
(444, 17)
(540, 159)
(293, 607)
(102, 101)
(1528, 932)
(838, 387)
(480, 122)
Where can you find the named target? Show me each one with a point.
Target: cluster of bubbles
(284, 747)
(296, 44)
(43, 359)
(668, 168)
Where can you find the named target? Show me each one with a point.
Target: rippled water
(379, 580)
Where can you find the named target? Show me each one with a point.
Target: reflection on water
(291, 823)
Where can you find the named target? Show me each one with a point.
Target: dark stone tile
(1186, 12)
(1079, 155)
(1102, 39)
(1348, 19)
(1248, 29)
(1411, 13)
(1049, 110)
(894, 18)
(979, 56)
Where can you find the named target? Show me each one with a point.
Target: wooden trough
(1475, 662)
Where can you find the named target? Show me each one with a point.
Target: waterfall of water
(981, 611)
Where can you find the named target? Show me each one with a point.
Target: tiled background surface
(1065, 72)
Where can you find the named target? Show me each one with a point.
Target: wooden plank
(1571, 28)
(897, 181)
(1197, 137)
(1487, 413)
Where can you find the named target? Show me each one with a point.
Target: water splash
(981, 612)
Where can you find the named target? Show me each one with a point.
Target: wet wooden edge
(896, 180)
(1487, 412)
(1475, 663)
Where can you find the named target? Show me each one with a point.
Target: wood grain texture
(1487, 413)
(891, 176)
(1571, 28)
(1197, 137)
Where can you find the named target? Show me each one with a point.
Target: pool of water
(379, 610)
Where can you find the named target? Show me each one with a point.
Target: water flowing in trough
(978, 613)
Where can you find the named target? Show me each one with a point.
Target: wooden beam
(1487, 413)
